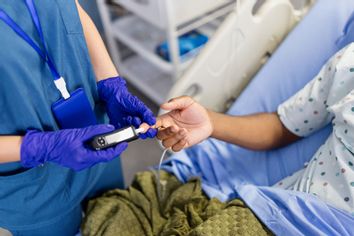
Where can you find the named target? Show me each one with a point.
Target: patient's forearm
(10, 147)
(258, 132)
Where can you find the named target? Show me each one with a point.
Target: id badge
(74, 112)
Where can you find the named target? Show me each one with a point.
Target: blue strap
(15, 27)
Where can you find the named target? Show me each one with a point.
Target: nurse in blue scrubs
(50, 54)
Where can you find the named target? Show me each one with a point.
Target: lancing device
(108, 140)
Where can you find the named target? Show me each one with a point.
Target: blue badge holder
(74, 112)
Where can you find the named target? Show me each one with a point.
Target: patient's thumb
(178, 103)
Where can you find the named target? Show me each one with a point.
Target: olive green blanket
(183, 209)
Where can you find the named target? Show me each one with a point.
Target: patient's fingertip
(166, 107)
(171, 100)
(176, 149)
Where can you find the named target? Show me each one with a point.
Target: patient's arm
(189, 123)
(261, 131)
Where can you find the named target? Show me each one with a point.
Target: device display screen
(120, 136)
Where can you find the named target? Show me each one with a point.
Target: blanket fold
(181, 209)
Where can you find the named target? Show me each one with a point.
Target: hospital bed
(228, 171)
(241, 45)
(269, 25)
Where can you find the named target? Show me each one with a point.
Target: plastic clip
(61, 86)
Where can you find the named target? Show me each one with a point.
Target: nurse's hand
(123, 108)
(67, 148)
(188, 123)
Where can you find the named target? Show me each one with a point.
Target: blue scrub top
(44, 200)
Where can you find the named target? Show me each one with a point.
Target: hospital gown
(329, 97)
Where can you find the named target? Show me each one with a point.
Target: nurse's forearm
(101, 61)
(258, 132)
(10, 147)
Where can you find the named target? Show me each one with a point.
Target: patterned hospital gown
(329, 97)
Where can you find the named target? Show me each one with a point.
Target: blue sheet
(228, 171)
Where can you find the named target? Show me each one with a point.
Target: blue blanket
(228, 171)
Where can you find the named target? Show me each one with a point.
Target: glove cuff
(109, 86)
(28, 154)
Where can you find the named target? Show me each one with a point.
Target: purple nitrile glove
(151, 133)
(67, 148)
(123, 108)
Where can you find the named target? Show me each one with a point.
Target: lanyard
(58, 80)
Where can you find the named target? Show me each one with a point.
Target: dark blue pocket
(74, 112)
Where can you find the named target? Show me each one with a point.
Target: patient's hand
(187, 123)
